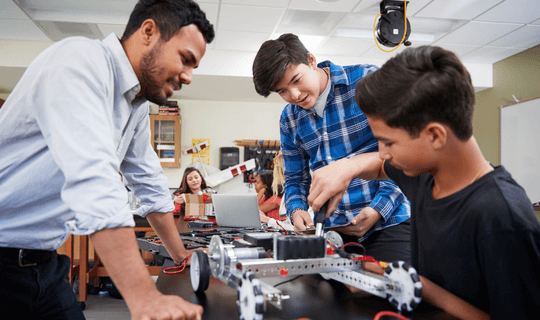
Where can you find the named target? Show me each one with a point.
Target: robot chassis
(241, 268)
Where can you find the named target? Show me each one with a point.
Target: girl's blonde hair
(279, 176)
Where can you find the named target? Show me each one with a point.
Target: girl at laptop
(192, 183)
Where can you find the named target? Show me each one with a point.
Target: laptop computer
(237, 210)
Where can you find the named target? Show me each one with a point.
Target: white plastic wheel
(410, 294)
(250, 298)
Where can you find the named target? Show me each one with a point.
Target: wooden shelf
(166, 138)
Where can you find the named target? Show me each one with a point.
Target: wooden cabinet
(166, 137)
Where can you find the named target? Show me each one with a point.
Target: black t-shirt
(481, 243)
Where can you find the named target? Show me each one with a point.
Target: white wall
(223, 122)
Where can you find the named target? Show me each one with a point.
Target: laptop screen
(237, 210)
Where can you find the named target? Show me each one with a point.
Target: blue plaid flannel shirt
(309, 142)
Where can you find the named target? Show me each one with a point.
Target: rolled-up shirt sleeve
(142, 170)
(78, 127)
(387, 199)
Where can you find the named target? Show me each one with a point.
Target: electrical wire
(288, 280)
(286, 233)
(391, 314)
(404, 32)
(179, 268)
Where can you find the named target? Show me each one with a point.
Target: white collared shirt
(67, 129)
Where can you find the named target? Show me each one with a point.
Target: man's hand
(330, 181)
(117, 249)
(157, 306)
(188, 262)
(360, 224)
(302, 220)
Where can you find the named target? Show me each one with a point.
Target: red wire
(389, 313)
(282, 228)
(178, 269)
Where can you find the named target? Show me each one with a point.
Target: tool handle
(321, 215)
(320, 221)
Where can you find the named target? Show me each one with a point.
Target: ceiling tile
(526, 37)
(459, 49)
(358, 20)
(376, 53)
(456, 9)
(340, 46)
(489, 54)
(321, 5)
(11, 11)
(241, 18)
(478, 33)
(240, 41)
(94, 6)
(211, 11)
(107, 29)
(262, 3)
(518, 11)
(315, 23)
(372, 7)
(21, 30)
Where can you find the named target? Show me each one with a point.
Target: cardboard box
(195, 206)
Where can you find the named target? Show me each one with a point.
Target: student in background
(77, 117)
(269, 202)
(322, 124)
(192, 183)
(277, 188)
(475, 237)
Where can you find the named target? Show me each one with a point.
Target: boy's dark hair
(419, 86)
(273, 59)
(170, 16)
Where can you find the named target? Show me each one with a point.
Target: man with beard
(77, 117)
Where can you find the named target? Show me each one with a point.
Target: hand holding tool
(321, 220)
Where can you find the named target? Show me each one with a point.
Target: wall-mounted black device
(229, 156)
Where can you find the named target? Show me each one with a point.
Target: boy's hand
(360, 224)
(330, 181)
(302, 220)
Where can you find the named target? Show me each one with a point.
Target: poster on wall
(204, 153)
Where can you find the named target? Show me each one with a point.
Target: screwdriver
(321, 220)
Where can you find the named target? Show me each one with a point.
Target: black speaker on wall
(229, 156)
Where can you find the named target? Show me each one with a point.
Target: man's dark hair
(170, 16)
(419, 86)
(274, 58)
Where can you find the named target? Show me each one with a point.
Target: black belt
(25, 257)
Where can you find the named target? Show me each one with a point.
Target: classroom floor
(103, 306)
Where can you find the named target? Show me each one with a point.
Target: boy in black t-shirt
(474, 232)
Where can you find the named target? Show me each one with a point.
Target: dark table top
(310, 297)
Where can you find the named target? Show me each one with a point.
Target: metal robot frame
(242, 267)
